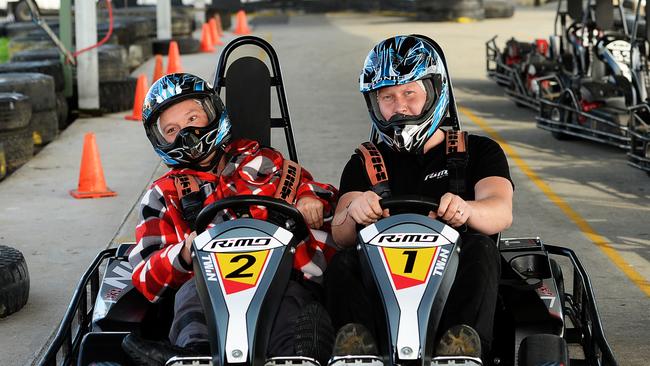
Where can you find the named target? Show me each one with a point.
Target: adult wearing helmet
(188, 126)
(408, 93)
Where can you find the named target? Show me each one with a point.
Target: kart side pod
(413, 260)
(242, 269)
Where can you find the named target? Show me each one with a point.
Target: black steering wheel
(410, 203)
(291, 219)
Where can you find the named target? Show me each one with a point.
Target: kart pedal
(355, 361)
(190, 361)
(456, 361)
(291, 361)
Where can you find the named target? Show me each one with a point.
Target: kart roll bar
(63, 340)
(276, 80)
(583, 312)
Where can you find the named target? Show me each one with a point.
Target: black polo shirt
(426, 174)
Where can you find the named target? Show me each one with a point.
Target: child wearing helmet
(188, 126)
(408, 93)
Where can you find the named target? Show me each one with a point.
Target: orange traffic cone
(158, 68)
(216, 37)
(217, 19)
(206, 39)
(141, 89)
(91, 175)
(174, 59)
(242, 24)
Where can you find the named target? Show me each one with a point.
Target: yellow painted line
(581, 223)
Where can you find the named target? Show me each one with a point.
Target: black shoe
(314, 333)
(459, 340)
(354, 339)
(157, 353)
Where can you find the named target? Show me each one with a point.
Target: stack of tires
(442, 10)
(16, 142)
(51, 67)
(40, 90)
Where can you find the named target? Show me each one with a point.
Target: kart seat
(248, 83)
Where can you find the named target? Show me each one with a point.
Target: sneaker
(354, 339)
(459, 340)
(157, 353)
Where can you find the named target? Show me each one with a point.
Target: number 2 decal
(239, 272)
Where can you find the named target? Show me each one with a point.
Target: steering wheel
(291, 218)
(410, 203)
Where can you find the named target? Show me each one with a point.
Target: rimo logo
(407, 238)
(437, 175)
(238, 243)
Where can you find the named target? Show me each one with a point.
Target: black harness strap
(190, 195)
(457, 157)
(375, 168)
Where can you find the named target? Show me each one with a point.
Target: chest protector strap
(457, 156)
(191, 197)
(375, 168)
(289, 181)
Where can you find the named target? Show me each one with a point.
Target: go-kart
(413, 261)
(104, 309)
(594, 101)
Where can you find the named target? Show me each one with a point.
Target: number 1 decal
(410, 267)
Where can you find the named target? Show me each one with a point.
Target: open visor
(432, 87)
(205, 107)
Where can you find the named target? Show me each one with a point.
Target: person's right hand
(186, 252)
(365, 208)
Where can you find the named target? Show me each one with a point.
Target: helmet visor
(191, 114)
(406, 104)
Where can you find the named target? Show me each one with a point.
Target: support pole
(65, 35)
(199, 11)
(87, 63)
(164, 19)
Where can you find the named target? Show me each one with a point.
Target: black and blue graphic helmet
(192, 145)
(401, 60)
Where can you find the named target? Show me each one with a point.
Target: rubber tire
(543, 349)
(117, 96)
(20, 28)
(47, 67)
(185, 45)
(14, 281)
(38, 87)
(18, 147)
(29, 42)
(438, 10)
(45, 126)
(62, 111)
(15, 111)
(113, 62)
(498, 8)
(36, 55)
(22, 13)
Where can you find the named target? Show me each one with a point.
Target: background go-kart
(573, 193)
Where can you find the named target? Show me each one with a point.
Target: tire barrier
(14, 281)
(442, 10)
(18, 147)
(498, 8)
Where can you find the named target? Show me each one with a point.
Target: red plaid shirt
(250, 169)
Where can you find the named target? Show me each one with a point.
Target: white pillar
(199, 12)
(164, 19)
(87, 63)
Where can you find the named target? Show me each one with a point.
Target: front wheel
(560, 116)
(543, 349)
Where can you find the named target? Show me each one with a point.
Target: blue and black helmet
(192, 145)
(402, 60)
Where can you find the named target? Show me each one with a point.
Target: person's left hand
(312, 211)
(453, 210)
